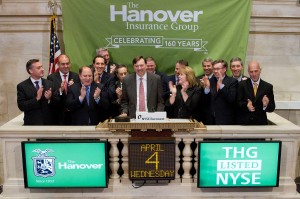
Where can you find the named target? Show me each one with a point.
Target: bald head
(64, 63)
(254, 70)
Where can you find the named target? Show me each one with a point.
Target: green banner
(167, 30)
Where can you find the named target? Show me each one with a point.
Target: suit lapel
(250, 89)
(31, 86)
(260, 89)
(134, 87)
(59, 77)
(149, 86)
(213, 86)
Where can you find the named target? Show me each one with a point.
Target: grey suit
(154, 94)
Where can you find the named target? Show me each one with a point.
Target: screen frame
(240, 141)
(61, 141)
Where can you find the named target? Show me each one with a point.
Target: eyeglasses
(218, 68)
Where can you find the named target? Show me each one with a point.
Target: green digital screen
(64, 164)
(239, 164)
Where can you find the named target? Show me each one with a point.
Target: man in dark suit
(87, 100)
(207, 65)
(120, 73)
(109, 65)
(255, 98)
(236, 67)
(152, 68)
(104, 78)
(219, 96)
(36, 96)
(62, 79)
(142, 91)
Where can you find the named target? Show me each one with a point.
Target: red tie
(142, 96)
(65, 83)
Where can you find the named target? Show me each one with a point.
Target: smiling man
(236, 67)
(62, 79)
(219, 96)
(87, 100)
(142, 91)
(36, 96)
(255, 98)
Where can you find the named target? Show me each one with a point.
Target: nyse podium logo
(43, 165)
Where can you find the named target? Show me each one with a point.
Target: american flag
(54, 47)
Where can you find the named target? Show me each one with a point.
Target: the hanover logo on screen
(43, 165)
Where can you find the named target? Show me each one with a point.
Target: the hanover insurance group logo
(43, 165)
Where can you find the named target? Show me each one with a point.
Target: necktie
(141, 96)
(99, 78)
(87, 95)
(255, 86)
(65, 83)
(37, 86)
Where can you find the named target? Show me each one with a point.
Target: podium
(184, 186)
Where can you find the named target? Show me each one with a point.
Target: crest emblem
(43, 165)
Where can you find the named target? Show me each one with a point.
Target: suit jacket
(36, 112)
(109, 65)
(245, 92)
(82, 113)
(108, 82)
(220, 105)
(189, 108)
(154, 94)
(168, 109)
(62, 115)
(115, 108)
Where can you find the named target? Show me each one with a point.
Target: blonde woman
(186, 96)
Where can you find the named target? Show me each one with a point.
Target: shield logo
(43, 165)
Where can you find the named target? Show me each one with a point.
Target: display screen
(63, 164)
(239, 164)
(152, 160)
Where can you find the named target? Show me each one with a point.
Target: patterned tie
(141, 96)
(87, 95)
(37, 86)
(255, 88)
(99, 78)
(65, 84)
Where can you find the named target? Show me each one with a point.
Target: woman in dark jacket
(186, 96)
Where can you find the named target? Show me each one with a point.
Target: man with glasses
(219, 96)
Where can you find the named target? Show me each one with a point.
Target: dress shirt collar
(256, 82)
(34, 80)
(144, 77)
(239, 78)
(62, 74)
